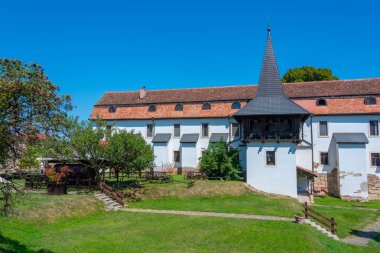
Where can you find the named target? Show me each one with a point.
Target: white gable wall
(162, 155)
(343, 124)
(278, 179)
(352, 170)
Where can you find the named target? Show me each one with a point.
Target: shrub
(220, 161)
(57, 176)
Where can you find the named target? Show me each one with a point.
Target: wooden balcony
(277, 136)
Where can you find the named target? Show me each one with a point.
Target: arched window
(178, 107)
(206, 106)
(152, 108)
(321, 102)
(235, 105)
(370, 101)
(112, 109)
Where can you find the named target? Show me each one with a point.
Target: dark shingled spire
(270, 98)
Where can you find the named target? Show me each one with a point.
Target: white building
(327, 131)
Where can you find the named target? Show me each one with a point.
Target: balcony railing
(294, 136)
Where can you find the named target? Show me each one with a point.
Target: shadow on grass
(374, 235)
(13, 246)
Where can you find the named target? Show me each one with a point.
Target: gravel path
(362, 237)
(209, 214)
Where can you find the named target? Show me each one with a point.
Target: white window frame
(179, 152)
(319, 129)
(370, 159)
(208, 130)
(238, 131)
(174, 136)
(153, 130)
(275, 158)
(369, 128)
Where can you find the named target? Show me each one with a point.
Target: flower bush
(57, 176)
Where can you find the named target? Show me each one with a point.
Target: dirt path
(362, 237)
(209, 214)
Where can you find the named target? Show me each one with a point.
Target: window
(152, 108)
(235, 130)
(206, 106)
(324, 158)
(235, 105)
(370, 101)
(149, 130)
(321, 102)
(177, 156)
(373, 128)
(204, 130)
(375, 159)
(112, 109)
(177, 130)
(271, 158)
(178, 107)
(323, 131)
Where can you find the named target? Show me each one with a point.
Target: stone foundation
(373, 187)
(327, 183)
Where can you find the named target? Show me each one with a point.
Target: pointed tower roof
(270, 98)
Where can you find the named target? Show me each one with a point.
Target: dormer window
(206, 106)
(235, 105)
(112, 109)
(152, 108)
(370, 101)
(178, 107)
(321, 102)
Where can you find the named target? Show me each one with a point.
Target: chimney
(142, 92)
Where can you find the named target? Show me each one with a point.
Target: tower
(272, 127)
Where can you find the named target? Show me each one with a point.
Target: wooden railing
(311, 213)
(112, 193)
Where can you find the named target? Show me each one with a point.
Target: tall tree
(308, 74)
(29, 106)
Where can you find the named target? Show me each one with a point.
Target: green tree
(82, 142)
(29, 157)
(128, 150)
(219, 161)
(308, 74)
(29, 106)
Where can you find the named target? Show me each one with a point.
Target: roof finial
(268, 27)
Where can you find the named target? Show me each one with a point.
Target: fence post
(305, 205)
(332, 224)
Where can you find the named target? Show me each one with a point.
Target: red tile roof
(343, 97)
(245, 92)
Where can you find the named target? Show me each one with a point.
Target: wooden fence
(327, 222)
(112, 193)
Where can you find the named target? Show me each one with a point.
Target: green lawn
(78, 223)
(233, 197)
(47, 224)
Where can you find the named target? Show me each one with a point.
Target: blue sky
(90, 47)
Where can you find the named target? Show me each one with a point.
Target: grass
(78, 222)
(214, 196)
(234, 197)
(93, 230)
(330, 201)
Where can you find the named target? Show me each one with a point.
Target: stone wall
(327, 183)
(373, 187)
